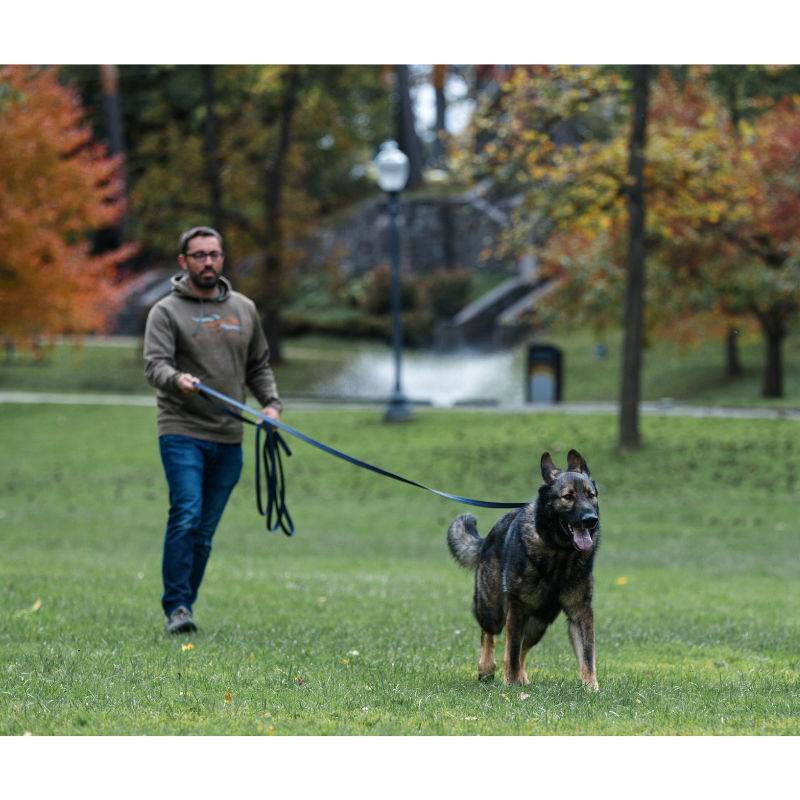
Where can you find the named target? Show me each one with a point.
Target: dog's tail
(464, 541)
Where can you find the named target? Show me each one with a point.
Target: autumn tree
(722, 208)
(265, 149)
(57, 185)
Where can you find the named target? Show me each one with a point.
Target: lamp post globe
(392, 164)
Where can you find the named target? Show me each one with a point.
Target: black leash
(273, 468)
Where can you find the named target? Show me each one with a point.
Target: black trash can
(543, 383)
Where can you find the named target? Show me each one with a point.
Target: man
(202, 331)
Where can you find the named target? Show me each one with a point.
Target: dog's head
(568, 502)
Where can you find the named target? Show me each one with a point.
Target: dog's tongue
(582, 539)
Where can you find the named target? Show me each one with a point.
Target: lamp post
(392, 166)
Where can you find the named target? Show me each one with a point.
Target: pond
(438, 378)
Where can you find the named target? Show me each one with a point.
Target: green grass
(71, 368)
(695, 376)
(701, 639)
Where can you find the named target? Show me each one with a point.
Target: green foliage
(448, 291)
(365, 604)
(376, 291)
(341, 117)
(362, 306)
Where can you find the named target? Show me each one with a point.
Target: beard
(205, 281)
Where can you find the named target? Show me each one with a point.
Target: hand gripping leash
(270, 457)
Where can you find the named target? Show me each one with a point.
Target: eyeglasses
(200, 256)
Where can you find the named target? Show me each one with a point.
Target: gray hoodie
(219, 341)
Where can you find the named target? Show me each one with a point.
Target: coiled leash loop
(268, 454)
(273, 468)
(273, 472)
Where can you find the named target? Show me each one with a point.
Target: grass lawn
(695, 376)
(120, 369)
(361, 623)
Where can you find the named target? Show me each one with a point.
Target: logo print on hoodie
(217, 323)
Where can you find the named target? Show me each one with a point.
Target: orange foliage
(56, 186)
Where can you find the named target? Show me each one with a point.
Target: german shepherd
(535, 562)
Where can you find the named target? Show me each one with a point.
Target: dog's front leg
(515, 628)
(581, 632)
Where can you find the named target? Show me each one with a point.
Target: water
(441, 379)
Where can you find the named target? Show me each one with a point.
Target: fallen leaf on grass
(27, 733)
(506, 697)
(187, 647)
(621, 581)
(322, 599)
(638, 700)
(345, 661)
(251, 656)
(523, 696)
(271, 730)
(36, 606)
(228, 698)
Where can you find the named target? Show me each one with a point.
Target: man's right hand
(186, 383)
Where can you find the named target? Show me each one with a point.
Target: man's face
(203, 261)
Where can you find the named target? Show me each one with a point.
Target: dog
(536, 562)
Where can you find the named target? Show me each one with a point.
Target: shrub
(377, 291)
(447, 291)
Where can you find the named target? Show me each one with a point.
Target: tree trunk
(212, 168)
(407, 139)
(634, 304)
(773, 374)
(774, 332)
(439, 75)
(109, 77)
(733, 365)
(272, 289)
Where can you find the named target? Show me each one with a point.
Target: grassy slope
(701, 639)
(67, 368)
(695, 376)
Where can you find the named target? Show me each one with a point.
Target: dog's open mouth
(581, 538)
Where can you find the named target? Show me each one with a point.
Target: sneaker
(180, 621)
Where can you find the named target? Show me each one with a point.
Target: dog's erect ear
(575, 463)
(549, 470)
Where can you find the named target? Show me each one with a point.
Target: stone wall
(434, 233)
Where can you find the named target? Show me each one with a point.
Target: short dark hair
(187, 236)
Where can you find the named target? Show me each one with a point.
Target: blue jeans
(201, 476)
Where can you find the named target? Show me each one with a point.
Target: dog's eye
(567, 497)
